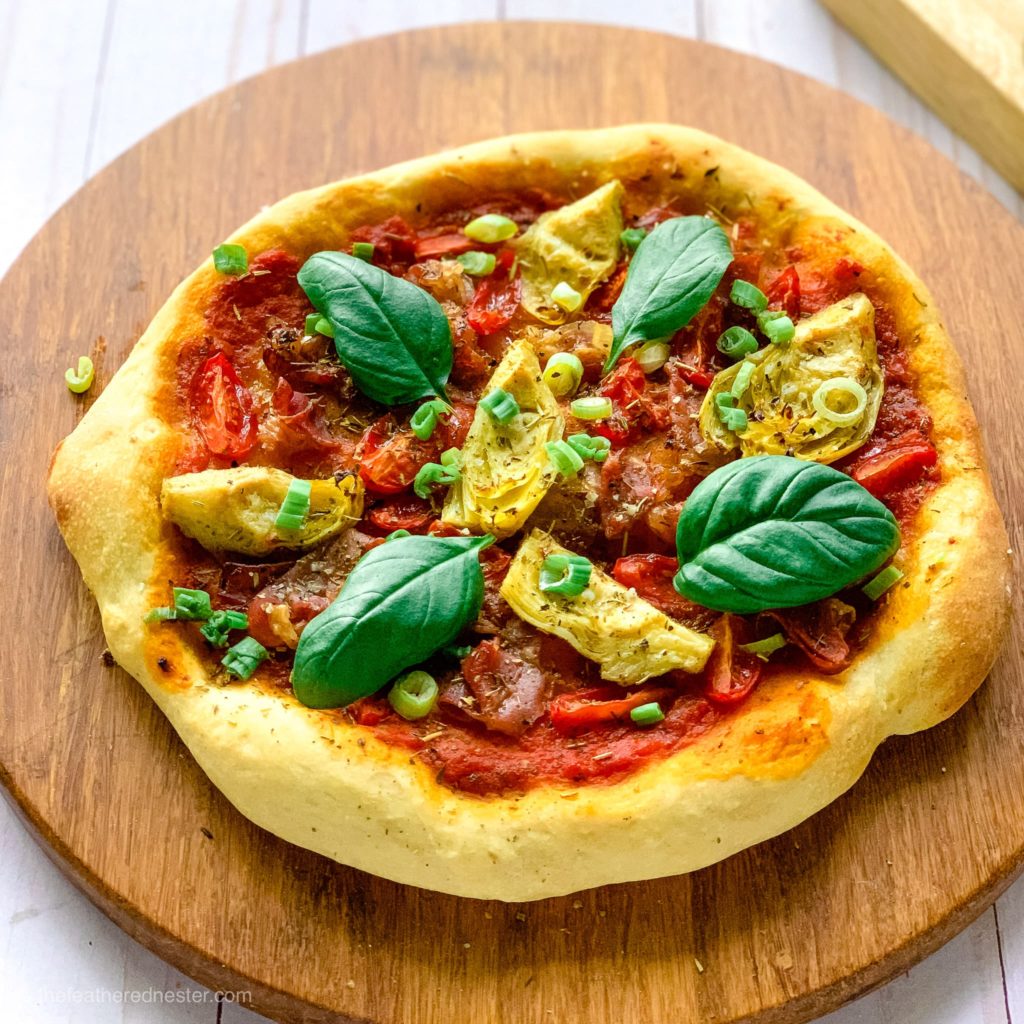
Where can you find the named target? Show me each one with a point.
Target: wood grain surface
(783, 932)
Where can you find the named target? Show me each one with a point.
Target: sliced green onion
(230, 259)
(725, 400)
(742, 381)
(587, 446)
(565, 296)
(762, 648)
(652, 355)
(244, 658)
(779, 330)
(564, 457)
(888, 577)
(432, 475)
(491, 227)
(456, 652)
(363, 251)
(563, 374)
(424, 419)
(311, 321)
(500, 406)
(845, 386)
(295, 507)
(632, 237)
(748, 295)
(191, 604)
(160, 615)
(289, 521)
(479, 264)
(737, 342)
(734, 419)
(567, 575)
(220, 623)
(596, 407)
(414, 695)
(647, 714)
(79, 381)
(452, 458)
(397, 535)
(323, 326)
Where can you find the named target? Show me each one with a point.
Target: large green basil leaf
(402, 602)
(775, 532)
(392, 336)
(674, 272)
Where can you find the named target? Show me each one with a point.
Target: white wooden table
(80, 82)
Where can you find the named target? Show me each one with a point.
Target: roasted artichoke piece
(235, 509)
(628, 637)
(839, 341)
(577, 244)
(505, 469)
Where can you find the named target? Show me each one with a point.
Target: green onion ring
(846, 385)
(414, 695)
(566, 575)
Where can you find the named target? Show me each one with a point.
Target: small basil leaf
(391, 336)
(675, 271)
(400, 604)
(772, 531)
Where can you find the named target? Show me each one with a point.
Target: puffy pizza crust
(798, 743)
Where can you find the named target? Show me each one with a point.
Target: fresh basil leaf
(400, 604)
(773, 531)
(674, 272)
(391, 336)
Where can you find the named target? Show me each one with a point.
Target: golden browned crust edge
(794, 750)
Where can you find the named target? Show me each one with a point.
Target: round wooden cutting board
(783, 932)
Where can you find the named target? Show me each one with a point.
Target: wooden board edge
(955, 93)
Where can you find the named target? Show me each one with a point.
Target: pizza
(566, 509)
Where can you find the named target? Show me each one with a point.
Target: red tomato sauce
(255, 388)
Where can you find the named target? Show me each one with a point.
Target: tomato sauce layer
(519, 709)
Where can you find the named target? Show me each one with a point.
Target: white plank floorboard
(82, 81)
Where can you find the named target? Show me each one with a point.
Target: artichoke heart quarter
(505, 468)
(576, 244)
(627, 636)
(837, 342)
(235, 509)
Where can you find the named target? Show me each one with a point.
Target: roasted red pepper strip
(443, 245)
(698, 378)
(625, 387)
(222, 409)
(903, 462)
(496, 298)
(601, 705)
(731, 674)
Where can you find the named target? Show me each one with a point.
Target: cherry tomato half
(391, 458)
(222, 409)
(731, 674)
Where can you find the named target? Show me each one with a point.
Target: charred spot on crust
(107, 659)
(163, 664)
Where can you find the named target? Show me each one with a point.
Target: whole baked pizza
(570, 508)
